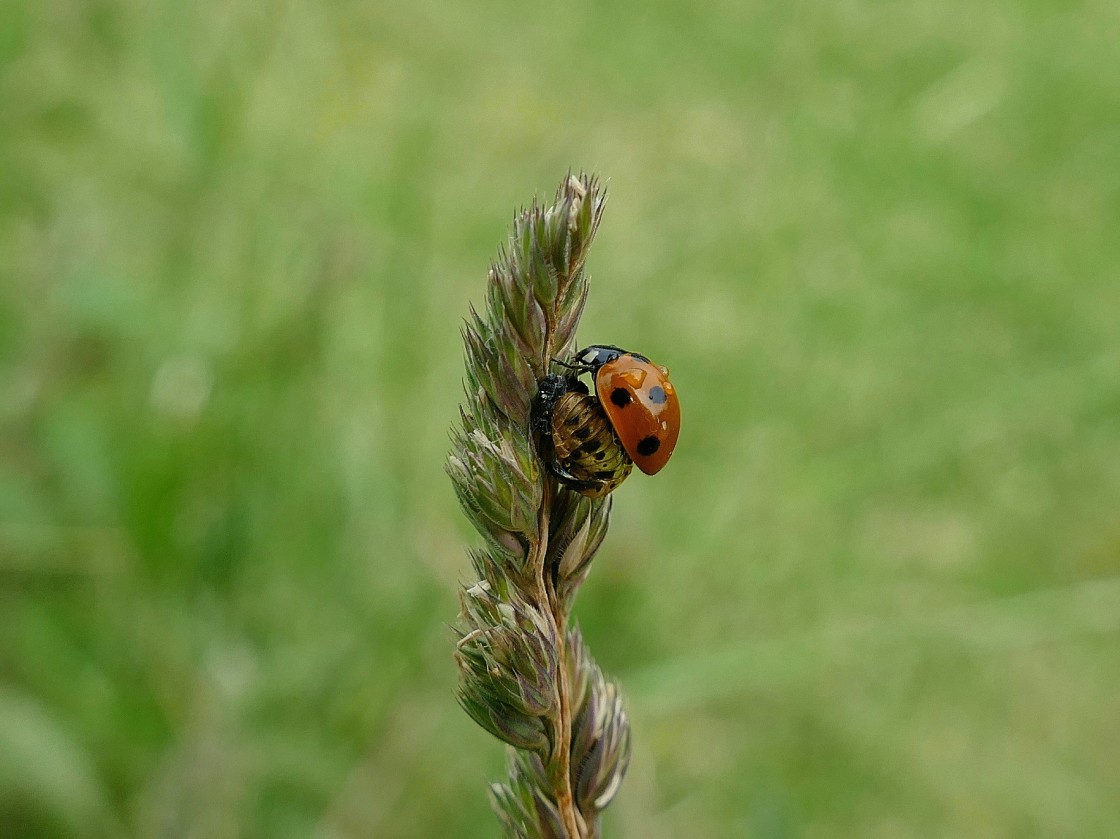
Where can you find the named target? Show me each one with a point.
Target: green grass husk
(525, 676)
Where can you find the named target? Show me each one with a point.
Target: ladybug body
(590, 440)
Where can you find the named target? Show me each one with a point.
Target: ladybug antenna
(579, 367)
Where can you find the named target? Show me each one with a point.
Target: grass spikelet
(524, 675)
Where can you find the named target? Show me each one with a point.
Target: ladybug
(591, 440)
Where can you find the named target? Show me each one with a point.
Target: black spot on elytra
(648, 445)
(620, 397)
(657, 395)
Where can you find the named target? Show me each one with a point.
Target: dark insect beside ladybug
(591, 439)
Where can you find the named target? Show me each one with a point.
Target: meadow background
(877, 591)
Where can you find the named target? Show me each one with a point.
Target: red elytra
(642, 405)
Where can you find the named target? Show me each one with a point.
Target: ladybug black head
(595, 356)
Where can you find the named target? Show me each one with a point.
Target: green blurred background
(877, 592)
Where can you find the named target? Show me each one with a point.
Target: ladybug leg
(572, 483)
(568, 364)
(578, 367)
